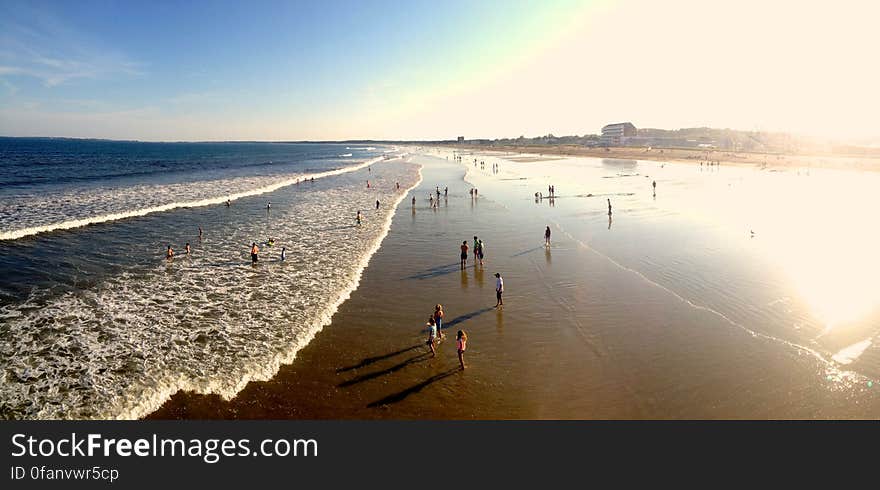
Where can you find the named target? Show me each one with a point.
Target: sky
(332, 70)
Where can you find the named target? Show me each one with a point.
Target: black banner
(228, 454)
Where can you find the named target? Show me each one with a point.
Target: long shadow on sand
(528, 251)
(365, 377)
(400, 395)
(436, 271)
(370, 360)
(466, 317)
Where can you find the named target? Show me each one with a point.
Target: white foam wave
(198, 323)
(262, 188)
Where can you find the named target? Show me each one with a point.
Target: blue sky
(407, 70)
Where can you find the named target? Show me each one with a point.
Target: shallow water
(785, 255)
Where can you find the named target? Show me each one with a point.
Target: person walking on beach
(464, 254)
(255, 250)
(187, 249)
(499, 290)
(377, 204)
(169, 253)
(547, 237)
(438, 320)
(432, 336)
(461, 346)
(609, 207)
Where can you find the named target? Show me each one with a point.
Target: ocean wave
(209, 323)
(45, 215)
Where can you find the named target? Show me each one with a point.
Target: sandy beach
(679, 155)
(600, 325)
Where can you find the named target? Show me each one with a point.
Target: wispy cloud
(38, 45)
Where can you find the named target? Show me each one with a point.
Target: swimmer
(228, 202)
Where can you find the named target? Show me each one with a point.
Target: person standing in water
(480, 252)
(464, 253)
(461, 346)
(283, 254)
(228, 203)
(200, 232)
(268, 206)
(609, 207)
(377, 204)
(476, 250)
(169, 253)
(368, 184)
(446, 192)
(499, 290)
(414, 201)
(255, 250)
(654, 185)
(187, 249)
(358, 218)
(547, 237)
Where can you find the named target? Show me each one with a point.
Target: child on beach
(438, 319)
(432, 336)
(461, 344)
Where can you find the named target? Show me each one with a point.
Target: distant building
(461, 139)
(616, 134)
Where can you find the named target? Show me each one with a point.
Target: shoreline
(678, 155)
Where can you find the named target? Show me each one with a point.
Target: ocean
(96, 323)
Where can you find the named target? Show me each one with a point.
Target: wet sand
(580, 336)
